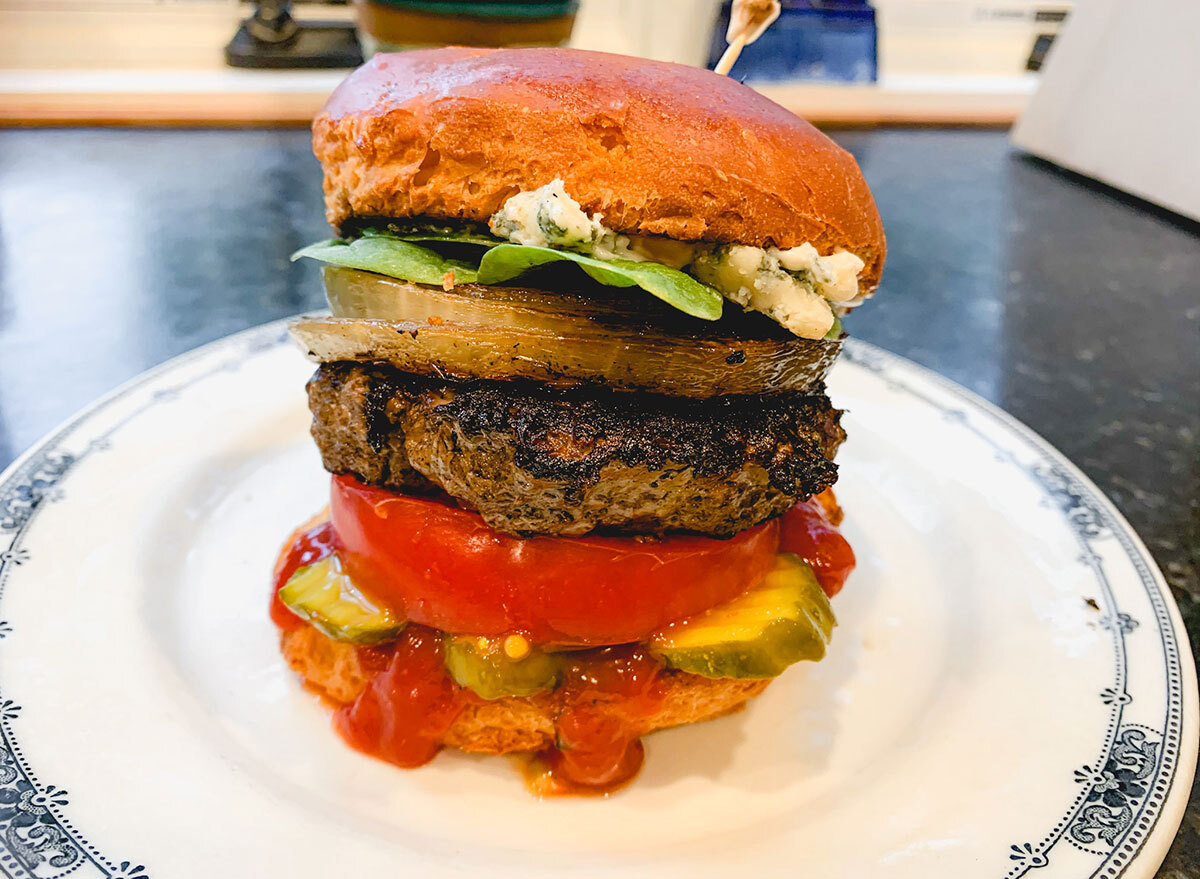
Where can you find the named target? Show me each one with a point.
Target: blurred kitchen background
(155, 175)
(835, 61)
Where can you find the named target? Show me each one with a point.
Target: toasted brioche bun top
(655, 148)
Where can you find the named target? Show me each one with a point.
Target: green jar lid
(488, 8)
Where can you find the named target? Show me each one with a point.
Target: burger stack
(571, 395)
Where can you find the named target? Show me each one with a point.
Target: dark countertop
(1074, 308)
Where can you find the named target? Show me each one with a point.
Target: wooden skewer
(731, 54)
(747, 21)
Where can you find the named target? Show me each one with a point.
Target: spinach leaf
(468, 234)
(391, 252)
(389, 256)
(506, 261)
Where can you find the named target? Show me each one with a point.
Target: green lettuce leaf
(458, 235)
(506, 261)
(392, 252)
(389, 256)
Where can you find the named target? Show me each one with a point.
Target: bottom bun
(501, 726)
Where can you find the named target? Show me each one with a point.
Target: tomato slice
(444, 567)
(805, 529)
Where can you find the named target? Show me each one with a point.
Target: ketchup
(807, 531)
(308, 544)
(405, 709)
(409, 702)
(608, 696)
(604, 702)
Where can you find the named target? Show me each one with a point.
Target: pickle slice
(324, 594)
(485, 666)
(783, 620)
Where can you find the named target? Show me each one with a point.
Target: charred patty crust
(536, 460)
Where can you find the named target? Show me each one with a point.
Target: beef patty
(536, 460)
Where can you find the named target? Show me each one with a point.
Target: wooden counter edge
(298, 109)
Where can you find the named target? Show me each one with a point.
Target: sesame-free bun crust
(501, 726)
(655, 148)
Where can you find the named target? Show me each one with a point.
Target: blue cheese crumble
(798, 288)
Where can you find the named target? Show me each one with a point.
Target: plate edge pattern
(37, 840)
(1071, 486)
(35, 477)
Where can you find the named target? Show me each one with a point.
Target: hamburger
(571, 394)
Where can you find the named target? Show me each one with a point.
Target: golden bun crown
(654, 148)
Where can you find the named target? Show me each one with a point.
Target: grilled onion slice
(476, 331)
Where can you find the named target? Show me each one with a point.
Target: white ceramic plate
(1009, 692)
